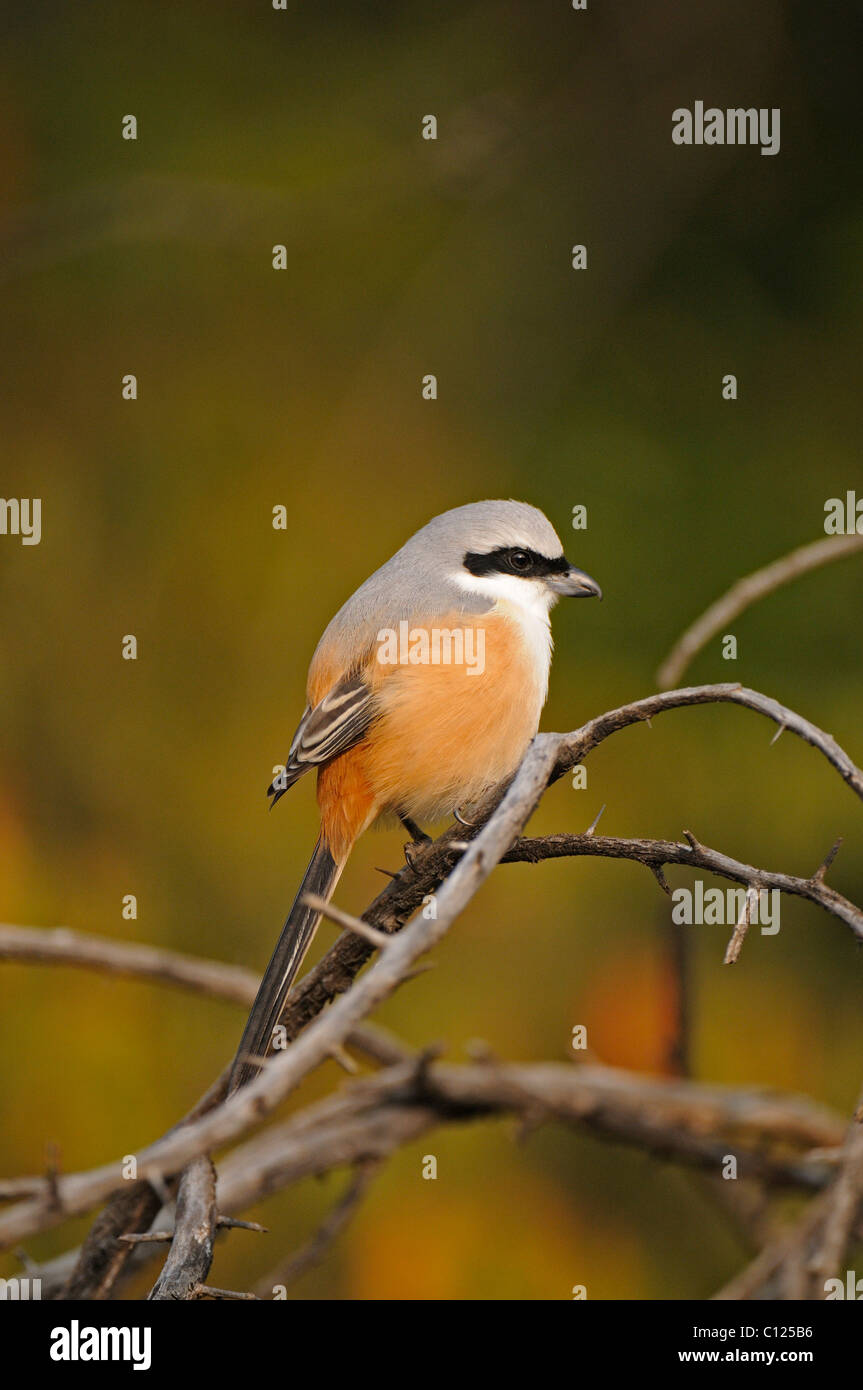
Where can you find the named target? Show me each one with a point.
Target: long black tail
(320, 879)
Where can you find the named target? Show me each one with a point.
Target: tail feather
(320, 879)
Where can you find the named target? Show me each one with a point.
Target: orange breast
(452, 728)
(456, 717)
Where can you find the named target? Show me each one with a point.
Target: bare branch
(688, 1123)
(738, 936)
(747, 591)
(548, 757)
(657, 853)
(105, 1252)
(377, 939)
(191, 1253)
(62, 946)
(843, 1204)
(329, 1230)
(576, 746)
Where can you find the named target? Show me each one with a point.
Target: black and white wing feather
(337, 723)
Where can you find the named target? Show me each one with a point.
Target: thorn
(147, 1237)
(818, 876)
(374, 937)
(423, 1061)
(738, 936)
(161, 1189)
(231, 1223)
(344, 1059)
(52, 1172)
(691, 840)
(389, 873)
(591, 828)
(205, 1291)
(528, 1122)
(648, 721)
(658, 872)
(419, 970)
(779, 732)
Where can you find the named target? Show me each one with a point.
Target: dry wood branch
(104, 1254)
(62, 946)
(658, 853)
(191, 1253)
(747, 591)
(843, 1204)
(576, 746)
(738, 936)
(549, 757)
(685, 1122)
(797, 1264)
(329, 1230)
(782, 1139)
(248, 1107)
(336, 971)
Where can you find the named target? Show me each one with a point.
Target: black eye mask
(517, 560)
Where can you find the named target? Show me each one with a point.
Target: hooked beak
(573, 583)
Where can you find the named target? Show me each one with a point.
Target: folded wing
(338, 722)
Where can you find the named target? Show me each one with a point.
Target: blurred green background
(257, 127)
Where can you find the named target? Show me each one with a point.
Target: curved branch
(686, 1122)
(655, 854)
(62, 946)
(747, 591)
(576, 746)
(549, 756)
(248, 1107)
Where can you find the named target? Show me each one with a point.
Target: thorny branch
(371, 1118)
(747, 591)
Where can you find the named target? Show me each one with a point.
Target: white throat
(527, 602)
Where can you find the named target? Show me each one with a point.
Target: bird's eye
(520, 560)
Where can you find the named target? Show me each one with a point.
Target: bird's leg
(418, 836)
(418, 839)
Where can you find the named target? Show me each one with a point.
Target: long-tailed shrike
(423, 694)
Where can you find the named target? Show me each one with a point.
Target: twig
(105, 1253)
(843, 1203)
(548, 758)
(657, 853)
(62, 946)
(191, 1254)
(747, 591)
(738, 936)
(576, 746)
(328, 1231)
(684, 1122)
(378, 939)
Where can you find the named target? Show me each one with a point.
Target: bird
(423, 695)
